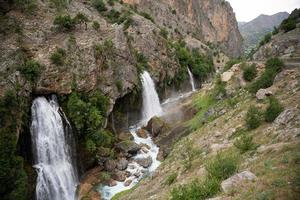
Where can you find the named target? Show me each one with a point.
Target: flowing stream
(52, 149)
(192, 81)
(151, 108)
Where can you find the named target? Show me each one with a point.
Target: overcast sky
(246, 10)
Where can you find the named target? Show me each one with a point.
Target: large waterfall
(151, 108)
(151, 104)
(192, 81)
(52, 147)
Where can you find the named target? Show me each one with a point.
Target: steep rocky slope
(254, 30)
(264, 166)
(207, 21)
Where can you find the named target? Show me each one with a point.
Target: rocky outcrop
(236, 180)
(211, 21)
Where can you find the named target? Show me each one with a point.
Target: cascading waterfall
(151, 108)
(52, 148)
(192, 81)
(151, 104)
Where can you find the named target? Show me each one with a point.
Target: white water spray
(52, 148)
(192, 81)
(151, 104)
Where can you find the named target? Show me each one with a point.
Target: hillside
(254, 30)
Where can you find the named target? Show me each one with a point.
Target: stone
(125, 136)
(142, 133)
(156, 126)
(122, 164)
(286, 116)
(144, 162)
(119, 176)
(263, 93)
(226, 76)
(128, 147)
(110, 165)
(112, 183)
(127, 183)
(236, 180)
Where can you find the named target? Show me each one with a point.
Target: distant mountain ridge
(254, 30)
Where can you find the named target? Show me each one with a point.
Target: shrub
(147, 16)
(250, 72)
(31, 70)
(230, 63)
(273, 67)
(219, 90)
(188, 154)
(99, 5)
(288, 24)
(81, 18)
(171, 179)
(119, 85)
(223, 165)
(266, 39)
(164, 33)
(58, 57)
(253, 118)
(273, 110)
(96, 25)
(245, 143)
(196, 190)
(64, 22)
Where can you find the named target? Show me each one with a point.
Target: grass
(171, 179)
(123, 193)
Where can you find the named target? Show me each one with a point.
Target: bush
(253, 118)
(147, 16)
(64, 22)
(250, 72)
(223, 165)
(96, 25)
(273, 110)
(99, 5)
(230, 63)
(58, 57)
(273, 67)
(245, 143)
(288, 24)
(31, 70)
(164, 33)
(81, 18)
(196, 190)
(266, 39)
(171, 179)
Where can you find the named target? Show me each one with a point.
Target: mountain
(254, 30)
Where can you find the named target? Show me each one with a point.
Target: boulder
(263, 93)
(142, 133)
(156, 126)
(144, 162)
(237, 180)
(112, 183)
(122, 164)
(110, 165)
(125, 136)
(286, 116)
(226, 76)
(127, 183)
(128, 147)
(119, 176)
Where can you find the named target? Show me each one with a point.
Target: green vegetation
(171, 179)
(188, 154)
(119, 85)
(164, 33)
(273, 67)
(253, 118)
(266, 39)
(147, 16)
(99, 5)
(245, 143)
(13, 179)
(291, 22)
(87, 113)
(81, 18)
(65, 22)
(58, 57)
(273, 110)
(59, 4)
(230, 63)
(249, 72)
(220, 167)
(31, 70)
(26, 6)
(104, 52)
(141, 61)
(96, 25)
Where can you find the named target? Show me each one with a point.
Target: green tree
(273, 110)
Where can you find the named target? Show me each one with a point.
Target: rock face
(128, 147)
(144, 162)
(156, 126)
(263, 93)
(207, 20)
(236, 180)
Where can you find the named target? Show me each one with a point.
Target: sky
(246, 10)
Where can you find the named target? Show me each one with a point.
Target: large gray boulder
(229, 184)
(128, 147)
(144, 162)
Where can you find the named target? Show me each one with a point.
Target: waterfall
(151, 104)
(52, 148)
(191, 79)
